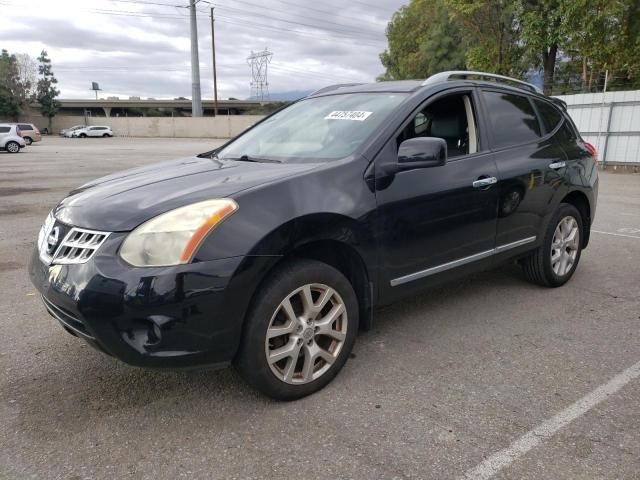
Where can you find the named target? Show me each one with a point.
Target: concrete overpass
(121, 108)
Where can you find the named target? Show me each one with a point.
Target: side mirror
(419, 152)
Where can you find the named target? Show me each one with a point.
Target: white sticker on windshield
(357, 115)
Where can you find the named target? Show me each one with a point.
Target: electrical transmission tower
(259, 63)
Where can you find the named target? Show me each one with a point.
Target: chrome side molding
(461, 261)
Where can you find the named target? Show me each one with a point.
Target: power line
(262, 26)
(318, 10)
(230, 20)
(306, 7)
(369, 35)
(244, 12)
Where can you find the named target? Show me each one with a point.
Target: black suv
(273, 250)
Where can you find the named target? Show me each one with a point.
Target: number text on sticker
(356, 115)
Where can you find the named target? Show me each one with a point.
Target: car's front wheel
(300, 331)
(12, 147)
(553, 264)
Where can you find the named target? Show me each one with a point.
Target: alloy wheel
(565, 245)
(306, 333)
(13, 147)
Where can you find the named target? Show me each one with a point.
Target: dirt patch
(11, 191)
(9, 266)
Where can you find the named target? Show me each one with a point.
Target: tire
(309, 349)
(106, 135)
(28, 140)
(562, 243)
(12, 147)
(83, 135)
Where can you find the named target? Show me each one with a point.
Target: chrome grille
(77, 246)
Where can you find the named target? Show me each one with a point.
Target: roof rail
(333, 87)
(462, 74)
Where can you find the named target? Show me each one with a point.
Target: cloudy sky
(141, 47)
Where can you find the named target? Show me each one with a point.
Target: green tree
(46, 91)
(14, 94)
(491, 30)
(544, 33)
(422, 40)
(604, 35)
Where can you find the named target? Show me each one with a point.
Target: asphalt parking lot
(488, 377)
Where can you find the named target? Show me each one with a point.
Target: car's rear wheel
(106, 135)
(28, 140)
(12, 147)
(83, 135)
(554, 263)
(300, 331)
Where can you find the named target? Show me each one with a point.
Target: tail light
(591, 149)
(18, 131)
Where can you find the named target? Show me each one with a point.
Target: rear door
(531, 167)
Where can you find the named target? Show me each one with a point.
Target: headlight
(174, 237)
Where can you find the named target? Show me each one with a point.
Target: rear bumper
(150, 317)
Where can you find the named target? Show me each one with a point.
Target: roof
(437, 79)
(392, 86)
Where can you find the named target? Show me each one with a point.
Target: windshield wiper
(247, 158)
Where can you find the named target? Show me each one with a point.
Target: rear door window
(513, 120)
(549, 114)
(5, 129)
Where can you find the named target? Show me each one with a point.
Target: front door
(438, 219)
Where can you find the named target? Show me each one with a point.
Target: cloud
(140, 49)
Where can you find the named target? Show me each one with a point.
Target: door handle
(485, 182)
(556, 165)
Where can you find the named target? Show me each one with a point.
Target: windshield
(316, 129)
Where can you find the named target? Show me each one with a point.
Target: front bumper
(153, 317)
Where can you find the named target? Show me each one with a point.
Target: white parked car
(93, 131)
(11, 138)
(66, 132)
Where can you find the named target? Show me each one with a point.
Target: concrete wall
(203, 127)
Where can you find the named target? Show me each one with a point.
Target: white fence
(610, 122)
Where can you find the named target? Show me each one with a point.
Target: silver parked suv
(11, 138)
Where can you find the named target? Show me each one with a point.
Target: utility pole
(215, 80)
(196, 98)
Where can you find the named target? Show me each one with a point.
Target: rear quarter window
(512, 119)
(5, 129)
(549, 115)
(25, 127)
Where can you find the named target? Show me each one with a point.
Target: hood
(124, 200)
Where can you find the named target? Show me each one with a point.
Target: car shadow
(81, 386)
